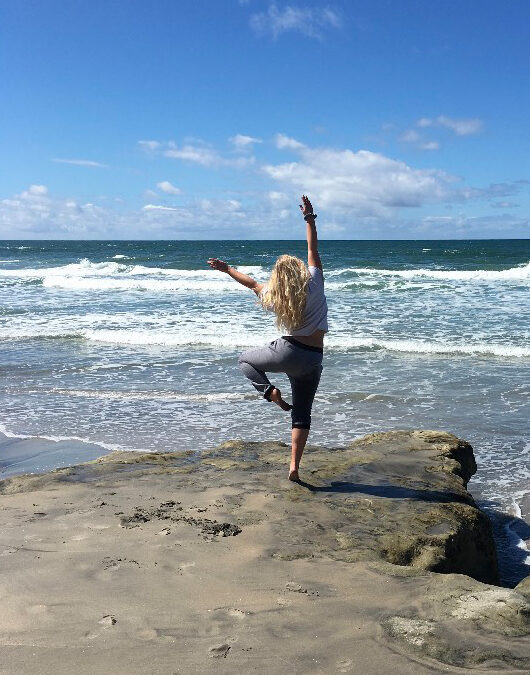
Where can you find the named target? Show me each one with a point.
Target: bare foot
(293, 475)
(276, 396)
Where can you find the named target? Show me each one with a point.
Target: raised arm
(313, 258)
(241, 278)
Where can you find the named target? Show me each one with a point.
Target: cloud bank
(358, 193)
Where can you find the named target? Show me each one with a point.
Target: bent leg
(259, 380)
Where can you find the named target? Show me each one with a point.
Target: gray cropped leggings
(302, 365)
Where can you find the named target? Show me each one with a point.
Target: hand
(218, 265)
(306, 206)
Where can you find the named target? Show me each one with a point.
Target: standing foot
(276, 397)
(293, 475)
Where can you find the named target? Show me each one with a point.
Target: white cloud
(242, 142)
(425, 122)
(149, 146)
(278, 197)
(461, 127)
(35, 190)
(197, 151)
(366, 182)
(504, 205)
(410, 136)
(309, 22)
(168, 188)
(79, 162)
(157, 207)
(34, 213)
(430, 145)
(285, 142)
(200, 153)
(413, 137)
(197, 154)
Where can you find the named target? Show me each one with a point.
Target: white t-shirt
(316, 307)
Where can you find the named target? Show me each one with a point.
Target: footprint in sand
(223, 613)
(106, 621)
(345, 665)
(97, 526)
(219, 651)
(185, 568)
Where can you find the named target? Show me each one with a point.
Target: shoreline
(179, 562)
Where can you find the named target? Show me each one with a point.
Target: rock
(398, 496)
(466, 624)
(523, 588)
(493, 607)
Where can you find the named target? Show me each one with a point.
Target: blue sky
(203, 119)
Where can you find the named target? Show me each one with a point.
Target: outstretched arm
(241, 278)
(313, 257)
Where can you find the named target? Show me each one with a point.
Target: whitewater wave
(155, 395)
(86, 267)
(429, 347)
(521, 273)
(160, 285)
(512, 534)
(188, 338)
(87, 275)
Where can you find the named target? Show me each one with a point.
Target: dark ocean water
(134, 345)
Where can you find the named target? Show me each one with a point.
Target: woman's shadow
(385, 490)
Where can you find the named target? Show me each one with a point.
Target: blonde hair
(286, 292)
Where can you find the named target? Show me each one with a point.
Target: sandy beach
(183, 563)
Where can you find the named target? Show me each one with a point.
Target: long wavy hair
(286, 292)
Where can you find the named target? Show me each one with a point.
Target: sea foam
(186, 336)
(520, 273)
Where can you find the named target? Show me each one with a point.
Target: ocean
(134, 345)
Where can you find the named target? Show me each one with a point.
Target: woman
(295, 293)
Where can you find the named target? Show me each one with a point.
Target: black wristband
(310, 215)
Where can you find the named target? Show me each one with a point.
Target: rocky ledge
(381, 535)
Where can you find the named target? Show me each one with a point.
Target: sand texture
(379, 562)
